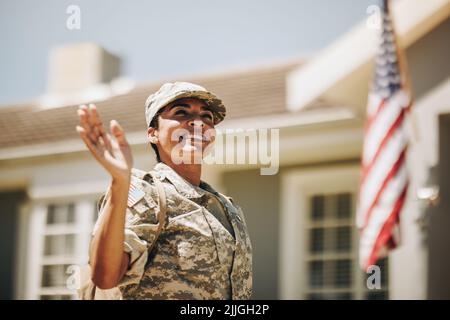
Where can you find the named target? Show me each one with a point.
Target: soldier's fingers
(89, 144)
(95, 117)
(98, 151)
(84, 122)
(80, 130)
(83, 115)
(83, 118)
(115, 145)
(100, 129)
(116, 153)
(92, 112)
(92, 119)
(118, 133)
(85, 111)
(108, 142)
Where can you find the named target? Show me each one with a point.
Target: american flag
(134, 195)
(384, 179)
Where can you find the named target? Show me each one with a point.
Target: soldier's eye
(180, 112)
(207, 115)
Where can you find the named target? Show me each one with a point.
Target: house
(301, 219)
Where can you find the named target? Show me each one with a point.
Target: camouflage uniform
(196, 256)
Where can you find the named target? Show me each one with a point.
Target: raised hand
(112, 151)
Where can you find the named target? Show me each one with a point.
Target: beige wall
(259, 198)
(428, 60)
(439, 236)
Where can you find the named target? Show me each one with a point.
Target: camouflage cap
(170, 92)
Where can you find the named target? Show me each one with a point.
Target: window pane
(344, 206)
(59, 244)
(343, 274)
(317, 207)
(316, 240)
(54, 275)
(60, 214)
(343, 239)
(331, 234)
(328, 273)
(316, 274)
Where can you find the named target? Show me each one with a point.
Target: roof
(246, 93)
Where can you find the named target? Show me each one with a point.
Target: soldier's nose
(196, 123)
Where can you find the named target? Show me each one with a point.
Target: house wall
(258, 197)
(430, 75)
(428, 61)
(439, 223)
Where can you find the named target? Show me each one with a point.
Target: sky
(163, 39)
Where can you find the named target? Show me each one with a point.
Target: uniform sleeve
(141, 223)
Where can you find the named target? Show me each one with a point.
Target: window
(331, 258)
(59, 238)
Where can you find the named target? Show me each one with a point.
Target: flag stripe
(397, 123)
(380, 215)
(385, 233)
(385, 119)
(380, 169)
(371, 119)
(391, 174)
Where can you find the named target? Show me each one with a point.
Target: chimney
(82, 73)
(77, 67)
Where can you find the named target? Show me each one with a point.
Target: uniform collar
(184, 187)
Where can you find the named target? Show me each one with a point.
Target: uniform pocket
(197, 256)
(194, 243)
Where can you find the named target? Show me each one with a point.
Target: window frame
(85, 211)
(298, 185)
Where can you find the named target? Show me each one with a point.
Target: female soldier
(202, 248)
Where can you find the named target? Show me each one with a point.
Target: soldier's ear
(152, 135)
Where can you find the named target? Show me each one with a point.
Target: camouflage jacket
(195, 256)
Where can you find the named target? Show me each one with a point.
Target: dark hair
(154, 124)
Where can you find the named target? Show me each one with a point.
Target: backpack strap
(162, 202)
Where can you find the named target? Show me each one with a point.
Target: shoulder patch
(134, 195)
